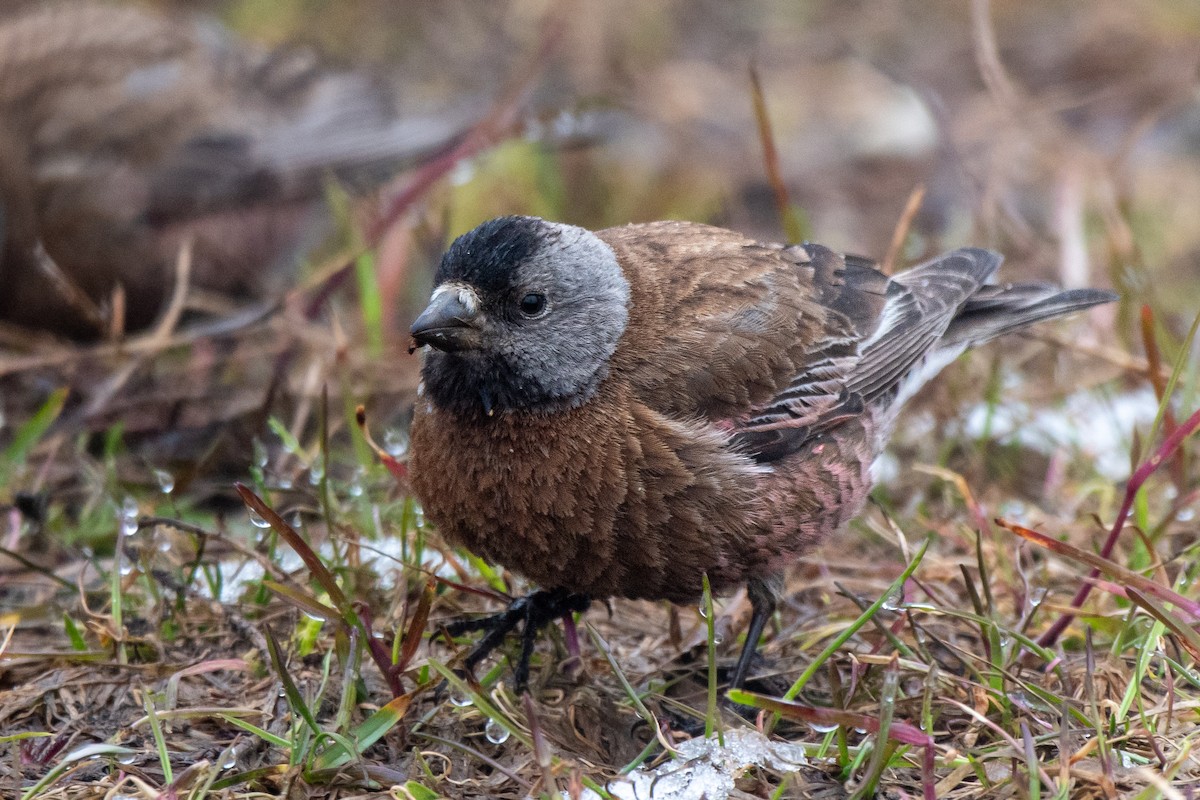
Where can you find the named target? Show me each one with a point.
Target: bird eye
(533, 304)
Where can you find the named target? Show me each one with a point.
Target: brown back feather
(725, 326)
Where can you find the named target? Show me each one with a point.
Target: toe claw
(533, 612)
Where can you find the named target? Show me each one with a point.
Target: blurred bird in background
(124, 134)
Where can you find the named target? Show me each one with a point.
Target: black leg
(762, 601)
(535, 611)
(528, 639)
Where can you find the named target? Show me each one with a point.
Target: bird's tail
(952, 291)
(999, 309)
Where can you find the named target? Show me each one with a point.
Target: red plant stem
(1170, 444)
(380, 652)
(1154, 359)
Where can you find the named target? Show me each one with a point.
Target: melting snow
(704, 770)
(1097, 425)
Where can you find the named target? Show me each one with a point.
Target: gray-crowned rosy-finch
(619, 413)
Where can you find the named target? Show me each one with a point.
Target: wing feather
(896, 323)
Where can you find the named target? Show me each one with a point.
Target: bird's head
(524, 315)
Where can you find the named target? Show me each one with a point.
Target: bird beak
(451, 320)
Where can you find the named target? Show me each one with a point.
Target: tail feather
(999, 309)
(928, 316)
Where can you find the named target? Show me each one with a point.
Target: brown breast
(610, 498)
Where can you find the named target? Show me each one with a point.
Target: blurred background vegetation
(1061, 133)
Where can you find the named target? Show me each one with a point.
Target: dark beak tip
(449, 338)
(446, 324)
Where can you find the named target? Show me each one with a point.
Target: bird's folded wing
(718, 323)
(921, 303)
(776, 343)
(854, 295)
(890, 326)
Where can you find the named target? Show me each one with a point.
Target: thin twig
(903, 225)
(157, 341)
(987, 56)
(783, 204)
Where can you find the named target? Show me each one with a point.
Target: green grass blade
(32, 431)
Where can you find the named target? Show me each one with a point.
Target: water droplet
(261, 456)
(229, 763)
(166, 481)
(126, 568)
(495, 732)
(297, 520)
(1186, 514)
(164, 546)
(894, 601)
(128, 759)
(316, 473)
(1013, 509)
(285, 483)
(356, 488)
(717, 637)
(702, 611)
(565, 124)
(822, 728)
(395, 442)
(460, 698)
(462, 173)
(129, 517)
(257, 520)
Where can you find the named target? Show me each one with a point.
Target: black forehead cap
(485, 256)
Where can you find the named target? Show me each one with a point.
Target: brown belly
(612, 499)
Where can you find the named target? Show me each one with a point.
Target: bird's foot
(533, 612)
